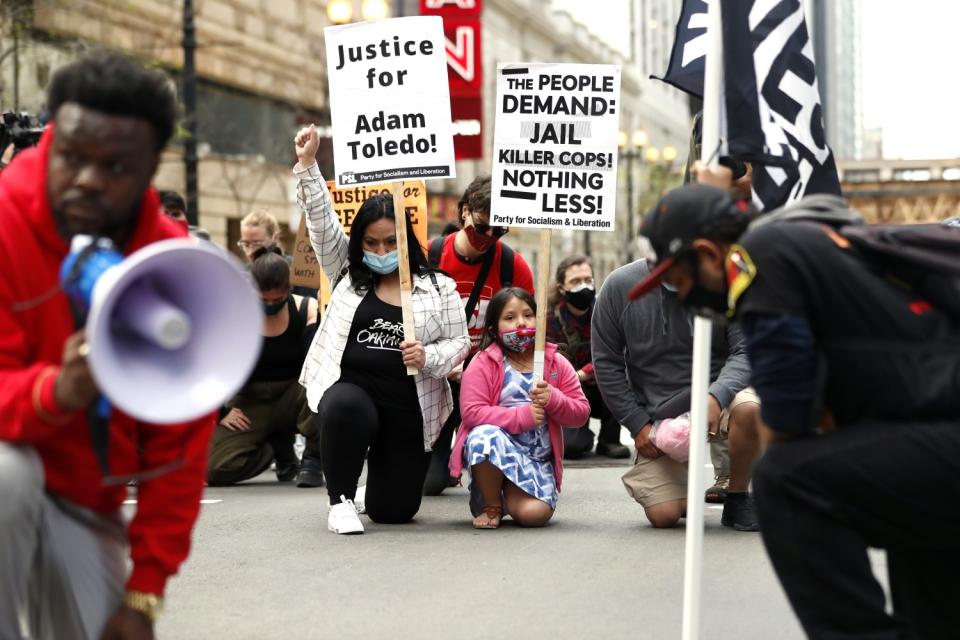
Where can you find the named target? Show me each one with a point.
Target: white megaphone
(174, 330)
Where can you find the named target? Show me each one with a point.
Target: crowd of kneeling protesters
(341, 381)
(853, 354)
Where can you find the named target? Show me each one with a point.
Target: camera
(22, 130)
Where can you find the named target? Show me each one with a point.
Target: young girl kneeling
(512, 434)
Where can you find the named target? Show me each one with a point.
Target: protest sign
(555, 146)
(347, 201)
(554, 157)
(389, 101)
(305, 270)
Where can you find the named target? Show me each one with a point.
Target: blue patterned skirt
(535, 477)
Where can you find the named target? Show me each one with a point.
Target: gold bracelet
(148, 604)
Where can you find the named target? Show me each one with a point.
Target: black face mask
(581, 299)
(700, 298)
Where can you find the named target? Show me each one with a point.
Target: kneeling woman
(512, 432)
(355, 372)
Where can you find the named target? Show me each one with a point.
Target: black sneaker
(739, 512)
(612, 450)
(287, 472)
(717, 494)
(285, 460)
(311, 471)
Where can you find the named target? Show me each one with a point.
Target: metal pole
(190, 111)
(700, 377)
(693, 551)
(628, 243)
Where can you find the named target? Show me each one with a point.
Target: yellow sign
(306, 271)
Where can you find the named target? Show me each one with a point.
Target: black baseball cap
(683, 215)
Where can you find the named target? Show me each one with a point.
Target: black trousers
(823, 500)
(354, 426)
(577, 442)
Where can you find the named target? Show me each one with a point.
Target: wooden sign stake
(543, 283)
(403, 256)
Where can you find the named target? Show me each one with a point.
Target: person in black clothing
(859, 381)
(568, 324)
(263, 418)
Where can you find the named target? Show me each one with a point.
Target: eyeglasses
(483, 227)
(253, 244)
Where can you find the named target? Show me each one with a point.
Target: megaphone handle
(98, 418)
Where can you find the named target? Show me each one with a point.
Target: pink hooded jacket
(480, 403)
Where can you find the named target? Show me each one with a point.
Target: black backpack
(923, 258)
(506, 270)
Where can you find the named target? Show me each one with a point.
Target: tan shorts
(663, 479)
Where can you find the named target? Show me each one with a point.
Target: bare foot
(489, 518)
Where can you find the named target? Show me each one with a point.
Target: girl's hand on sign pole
(306, 143)
(541, 394)
(539, 414)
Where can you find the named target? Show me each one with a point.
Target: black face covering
(581, 299)
(700, 298)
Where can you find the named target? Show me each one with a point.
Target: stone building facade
(261, 75)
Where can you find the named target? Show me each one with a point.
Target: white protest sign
(555, 146)
(389, 101)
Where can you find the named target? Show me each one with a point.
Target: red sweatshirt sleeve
(30, 412)
(167, 506)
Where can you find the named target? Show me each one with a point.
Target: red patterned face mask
(480, 242)
(519, 339)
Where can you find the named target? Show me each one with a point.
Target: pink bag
(673, 437)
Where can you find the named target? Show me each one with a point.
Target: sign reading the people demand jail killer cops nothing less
(389, 101)
(555, 146)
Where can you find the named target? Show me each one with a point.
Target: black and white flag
(686, 67)
(774, 114)
(771, 114)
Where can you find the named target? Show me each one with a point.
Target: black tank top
(282, 356)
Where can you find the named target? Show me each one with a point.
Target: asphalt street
(264, 566)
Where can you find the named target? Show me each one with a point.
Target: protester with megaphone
(355, 372)
(60, 510)
(264, 416)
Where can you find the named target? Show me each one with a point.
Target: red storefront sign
(461, 28)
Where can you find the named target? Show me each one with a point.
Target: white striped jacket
(437, 312)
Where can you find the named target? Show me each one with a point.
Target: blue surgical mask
(387, 263)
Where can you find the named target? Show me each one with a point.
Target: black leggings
(396, 462)
(577, 442)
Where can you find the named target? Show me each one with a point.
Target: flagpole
(702, 333)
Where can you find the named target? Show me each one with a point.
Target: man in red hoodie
(63, 541)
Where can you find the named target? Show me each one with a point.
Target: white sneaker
(359, 499)
(343, 518)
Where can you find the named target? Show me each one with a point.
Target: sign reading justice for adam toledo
(389, 101)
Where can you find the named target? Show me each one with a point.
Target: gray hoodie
(643, 352)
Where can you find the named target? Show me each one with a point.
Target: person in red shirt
(481, 264)
(64, 544)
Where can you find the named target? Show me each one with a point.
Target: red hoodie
(32, 337)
